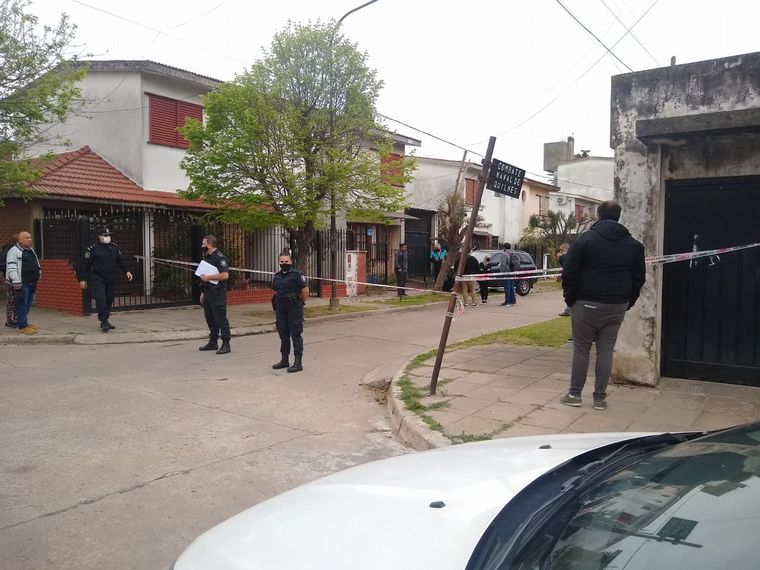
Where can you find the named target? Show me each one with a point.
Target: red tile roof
(85, 174)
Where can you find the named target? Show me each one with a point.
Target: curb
(407, 426)
(181, 335)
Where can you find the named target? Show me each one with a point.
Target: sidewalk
(165, 324)
(497, 390)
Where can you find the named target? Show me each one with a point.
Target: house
(125, 174)
(687, 141)
(580, 206)
(504, 218)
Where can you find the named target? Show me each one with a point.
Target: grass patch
(553, 333)
(415, 300)
(324, 310)
(547, 285)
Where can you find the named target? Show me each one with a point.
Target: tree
(453, 217)
(295, 138)
(548, 232)
(37, 88)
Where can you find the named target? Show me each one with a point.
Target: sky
(523, 71)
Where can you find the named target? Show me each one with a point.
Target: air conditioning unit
(561, 200)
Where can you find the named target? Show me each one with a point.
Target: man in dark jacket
(602, 276)
(103, 264)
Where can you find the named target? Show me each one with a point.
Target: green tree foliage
(453, 217)
(37, 88)
(295, 134)
(547, 233)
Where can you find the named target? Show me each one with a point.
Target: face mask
(105, 239)
(285, 266)
(204, 248)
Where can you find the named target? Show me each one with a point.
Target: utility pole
(334, 299)
(482, 180)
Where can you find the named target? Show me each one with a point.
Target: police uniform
(288, 305)
(103, 264)
(215, 304)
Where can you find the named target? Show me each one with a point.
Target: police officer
(102, 266)
(290, 295)
(214, 297)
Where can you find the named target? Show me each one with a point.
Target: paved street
(116, 456)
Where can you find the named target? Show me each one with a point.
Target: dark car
(522, 286)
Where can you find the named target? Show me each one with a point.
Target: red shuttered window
(392, 169)
(469, 191)
(168, 115)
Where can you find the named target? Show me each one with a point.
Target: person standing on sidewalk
(102, 266)
(437, 256)
(22, 268)
(290, 295)
(10, 292)
(485, 267)
(214, 297)
(400, 268)
(601, 279)
(471, 267)
(509, 262)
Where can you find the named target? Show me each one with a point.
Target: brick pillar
(59, 288)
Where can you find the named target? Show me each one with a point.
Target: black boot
(211, 345)
(225, 348)
(110, 326)
(104, 326)
(296, 365)
(283, 363)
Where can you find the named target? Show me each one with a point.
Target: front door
(711, 305)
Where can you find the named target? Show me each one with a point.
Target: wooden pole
(482, 179)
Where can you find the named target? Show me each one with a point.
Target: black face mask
(204, 248)
(285, 266)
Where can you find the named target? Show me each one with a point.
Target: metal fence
(145, 235)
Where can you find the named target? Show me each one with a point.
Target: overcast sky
(521, 70)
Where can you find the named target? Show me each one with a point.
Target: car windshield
(693, 505)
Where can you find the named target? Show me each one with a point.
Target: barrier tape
(503, 276)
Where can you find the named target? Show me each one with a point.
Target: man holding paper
(214, 272)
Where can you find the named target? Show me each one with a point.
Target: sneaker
(563, 314)
(484, 301)
(570, 400)
(28, 330)
(600, 404)
(11, 325)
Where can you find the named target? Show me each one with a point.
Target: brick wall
(59, 289)
(245, 296)
(15, 216)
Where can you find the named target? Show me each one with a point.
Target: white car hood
(378, 515)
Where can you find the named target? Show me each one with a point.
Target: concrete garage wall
(699, 120)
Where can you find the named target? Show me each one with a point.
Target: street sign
(505, 179)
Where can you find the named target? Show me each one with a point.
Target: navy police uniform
(215, 301)
(288, 305)
(103, 264)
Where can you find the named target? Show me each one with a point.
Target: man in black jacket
(103, 264)
(602, 276)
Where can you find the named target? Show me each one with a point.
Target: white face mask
(105, 239)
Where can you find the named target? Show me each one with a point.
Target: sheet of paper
(205, 268)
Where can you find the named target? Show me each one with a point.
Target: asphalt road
(117, 456)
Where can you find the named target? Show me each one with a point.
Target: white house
(131, 117)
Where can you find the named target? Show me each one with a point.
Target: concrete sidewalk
(166, 324)
(498, 390)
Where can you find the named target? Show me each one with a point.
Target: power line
(592, 34)
(140, 24)
(611, 11)
(430, 135)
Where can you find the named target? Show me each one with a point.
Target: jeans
(598, 323)
(24, 300)
(509, 292)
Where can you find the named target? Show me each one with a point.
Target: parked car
(572, 501)
(522, 286)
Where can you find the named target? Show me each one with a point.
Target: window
(469, 191)
(392, 170)
(578, 212)
(168, 115)
(543, 206)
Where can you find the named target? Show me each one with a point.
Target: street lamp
(334, 300)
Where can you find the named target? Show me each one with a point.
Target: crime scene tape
(532, 274)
